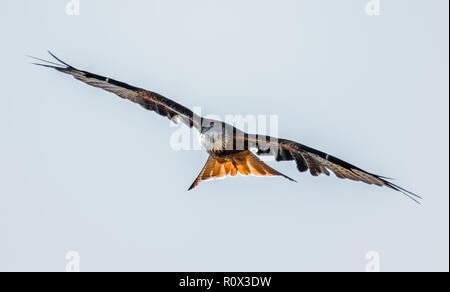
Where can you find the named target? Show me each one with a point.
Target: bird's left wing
(316, 161)
(147, 99)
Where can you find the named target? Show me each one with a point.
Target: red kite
(229, 148)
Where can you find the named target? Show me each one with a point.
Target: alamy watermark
(73, 8)
(184, 138)
(373, 8)
(373, 263)
(73, 261)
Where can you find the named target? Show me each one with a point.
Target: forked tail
(245, 163)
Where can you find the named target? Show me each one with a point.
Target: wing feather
(147, 99)
(316, 161)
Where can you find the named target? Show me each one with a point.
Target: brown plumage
(224, 161)
(245, 163)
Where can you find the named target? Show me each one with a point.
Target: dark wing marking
(317, 161)
(147, 99)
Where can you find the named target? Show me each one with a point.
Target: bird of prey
(231, 151)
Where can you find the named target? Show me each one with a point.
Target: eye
(211, 139)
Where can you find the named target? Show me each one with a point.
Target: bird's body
(229, 148)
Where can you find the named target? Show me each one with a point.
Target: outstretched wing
(147, 99)
(316, 161)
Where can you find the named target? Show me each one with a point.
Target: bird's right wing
(147, 99)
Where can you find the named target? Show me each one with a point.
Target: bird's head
(212, 141)
(209, 126)
(212, 138)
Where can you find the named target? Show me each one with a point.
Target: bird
(231, 150)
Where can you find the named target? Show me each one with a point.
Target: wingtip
(59, 60)
(415, 197)
(44, 61)
(43, 65)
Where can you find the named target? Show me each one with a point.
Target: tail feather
(245, 163)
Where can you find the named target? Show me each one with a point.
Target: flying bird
(231, 151)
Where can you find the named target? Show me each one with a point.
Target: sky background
(83, 170)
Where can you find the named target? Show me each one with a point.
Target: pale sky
(83, 170)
